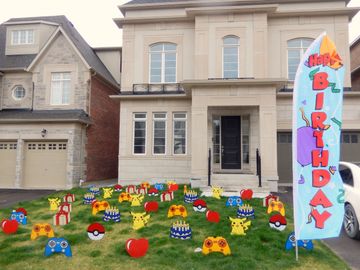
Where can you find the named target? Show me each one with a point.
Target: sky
(94, 18)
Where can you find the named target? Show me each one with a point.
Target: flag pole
(296, 250)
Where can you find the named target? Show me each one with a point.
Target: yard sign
(317, 110)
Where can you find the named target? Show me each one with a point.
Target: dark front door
(230, 142)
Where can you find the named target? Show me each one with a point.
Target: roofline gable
(47, 45)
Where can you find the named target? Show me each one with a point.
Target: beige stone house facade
(55, 110)
(214, 78)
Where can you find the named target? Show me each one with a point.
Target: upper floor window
(60, 88)
(18, 92)
(163, 63)
(20, 37)
(296, 48)
(231, 57)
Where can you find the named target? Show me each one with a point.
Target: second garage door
(45, 165)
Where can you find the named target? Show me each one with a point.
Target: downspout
(33, 95)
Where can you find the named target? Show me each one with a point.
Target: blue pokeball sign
(317, 105)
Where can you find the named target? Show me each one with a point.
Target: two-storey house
(205, 84)
(57, 122)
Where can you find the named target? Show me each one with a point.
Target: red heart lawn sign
(151, 206)
(137, 247)
(9, 226)
(212, 216)
(246, 194)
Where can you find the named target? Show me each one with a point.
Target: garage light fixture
(43, 132)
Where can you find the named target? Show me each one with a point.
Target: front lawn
(261, 248)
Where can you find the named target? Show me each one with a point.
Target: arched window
(163, 63)
(296, 48)
(231, 57)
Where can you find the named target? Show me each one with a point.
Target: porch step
(234, 183)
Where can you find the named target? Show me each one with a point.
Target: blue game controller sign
(290, 243)
(19, 217)
(58, 245)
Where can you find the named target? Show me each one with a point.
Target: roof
(23, 115)
(139, 2)
(23, 61)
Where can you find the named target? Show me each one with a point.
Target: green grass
(261, 248)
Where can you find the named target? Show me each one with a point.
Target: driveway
(345, 247)
(8, 197)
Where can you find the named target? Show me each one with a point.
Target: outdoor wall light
(43, 132)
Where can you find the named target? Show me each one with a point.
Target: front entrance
(230, 142)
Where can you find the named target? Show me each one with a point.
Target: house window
(163, 63)
(245, 128)
(179, 133)
(22, 37)
(60, 88)
(296, 48)
(231, 57)
(159, 129)
(139, 133)
(18, 92)
(350, 137)
(216, 140)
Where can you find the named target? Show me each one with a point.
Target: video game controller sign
(58, 245)
(290, 243)
(41, 229)
(216, 244)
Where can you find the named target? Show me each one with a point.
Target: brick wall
(103, 135)
(355, 62)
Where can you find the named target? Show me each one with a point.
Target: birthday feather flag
(317, 115)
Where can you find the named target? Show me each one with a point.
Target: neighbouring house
(355, 64)
(57, 122)
(205, 84)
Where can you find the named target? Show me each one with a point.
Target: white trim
(186, 133)
(13, 92)
(48, 43)
(153, 133)
(30, 22)
(133, 129)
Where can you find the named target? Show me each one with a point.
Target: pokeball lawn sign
(180, 230)
(199, 206)
(216, 244)
(96, 231)
(137, 248)
(277, 222)
(153, 192)
(118, 188)
(58, 245)
(290, 243)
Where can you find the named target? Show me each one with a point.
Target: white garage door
(7, 164)
(45, 165)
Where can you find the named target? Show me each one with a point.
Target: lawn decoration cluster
(102, 233)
